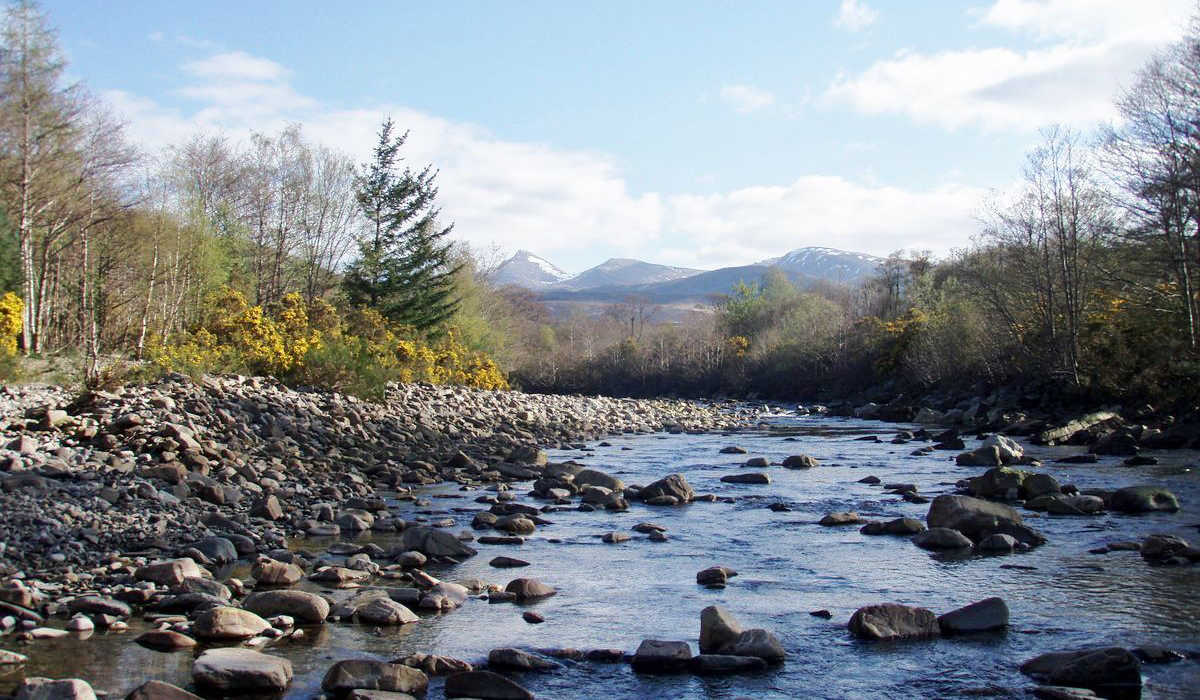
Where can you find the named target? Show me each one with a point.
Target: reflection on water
(612, 596)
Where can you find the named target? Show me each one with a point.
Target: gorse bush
(354, 350)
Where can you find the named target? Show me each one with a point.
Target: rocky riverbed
(234, 535)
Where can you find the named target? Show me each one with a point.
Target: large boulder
(673, 486)
(228, 623)
(365, 674)
(234, 671)
(484, 685)
(444, 596)
(887, 621)
(800, 462)
(1008, 448)
(940, 538)
(268, 572)
(595, 477)
(305, 607)
(1087, 668)
(999, 482)
(1144, 499)
(754, 642)
(433, 542)
(168, 573)
(37, 688)
(717, 627)
(987, 614)
(977, 519)
(529, 589)
(986, 456)
(657, 656)
(384, 611)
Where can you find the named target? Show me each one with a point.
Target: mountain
(828, 264)
(524, 269)
(625, 272)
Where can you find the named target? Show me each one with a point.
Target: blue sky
(692, 133)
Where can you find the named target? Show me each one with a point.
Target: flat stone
(234, 671)
(889, 621)
(983, 615)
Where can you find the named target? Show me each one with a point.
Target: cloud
(753, 223)
(237, 65)
(854, 16)
(1095, 46)
(747, 98)
(573, 206)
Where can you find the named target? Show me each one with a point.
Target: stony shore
(151, 469)
(128, 504)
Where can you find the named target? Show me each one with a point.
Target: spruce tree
(405, 268)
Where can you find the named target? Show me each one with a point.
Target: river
(615, 595)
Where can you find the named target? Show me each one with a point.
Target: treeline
(210, 254)
(1082, 284)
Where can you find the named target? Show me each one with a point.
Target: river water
(615, 595)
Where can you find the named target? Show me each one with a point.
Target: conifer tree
(405, 268)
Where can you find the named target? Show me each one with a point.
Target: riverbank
(451, 529)
(151, 469)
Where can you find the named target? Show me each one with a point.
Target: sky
(683, 132)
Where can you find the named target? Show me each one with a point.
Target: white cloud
(237, 65)
(747, 98)
(567, 204)
(1096, 47)
(855, 16)
(753, 223)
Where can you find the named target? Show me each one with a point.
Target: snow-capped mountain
(827, 264)
(524, 269)
(625, 272)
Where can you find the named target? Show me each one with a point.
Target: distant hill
(677, 287)
(828, 264)
(524, 269)
(623, 272)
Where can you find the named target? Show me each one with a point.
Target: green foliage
(405, 268)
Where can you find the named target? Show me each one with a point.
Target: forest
(280, 256)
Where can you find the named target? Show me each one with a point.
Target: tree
(405, 268)
(1154, 157)
(37, 132)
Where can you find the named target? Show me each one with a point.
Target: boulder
(158, 690)
(386, 612)
(714, 575)
(219, 550)
(484, 685)
(433, 542)
(754, 642)
(1008, 448)
(37, 688)
(444, 596)
(717, 627)
(517, 660)
(268, 572)
(594, 477)
(748, 478)
(1087, 668)
(366, 674)
(434, 665)
(656, 656)
(674, 486)
(228, 623)
(168, 573)
(998, 543)
(721, 664)
(977, 518)
(1144, 499)
(305, 607)
(234, 671)
(987, 614)
(507, 562)
(999, 482)
(987, 456)
(888, 621)
(899, 526)
(800, 462)
(939, 538)
(835, 519)
(165, 640)
(529, 589)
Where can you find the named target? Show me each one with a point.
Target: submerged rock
(484, 685)
(1087, 668)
